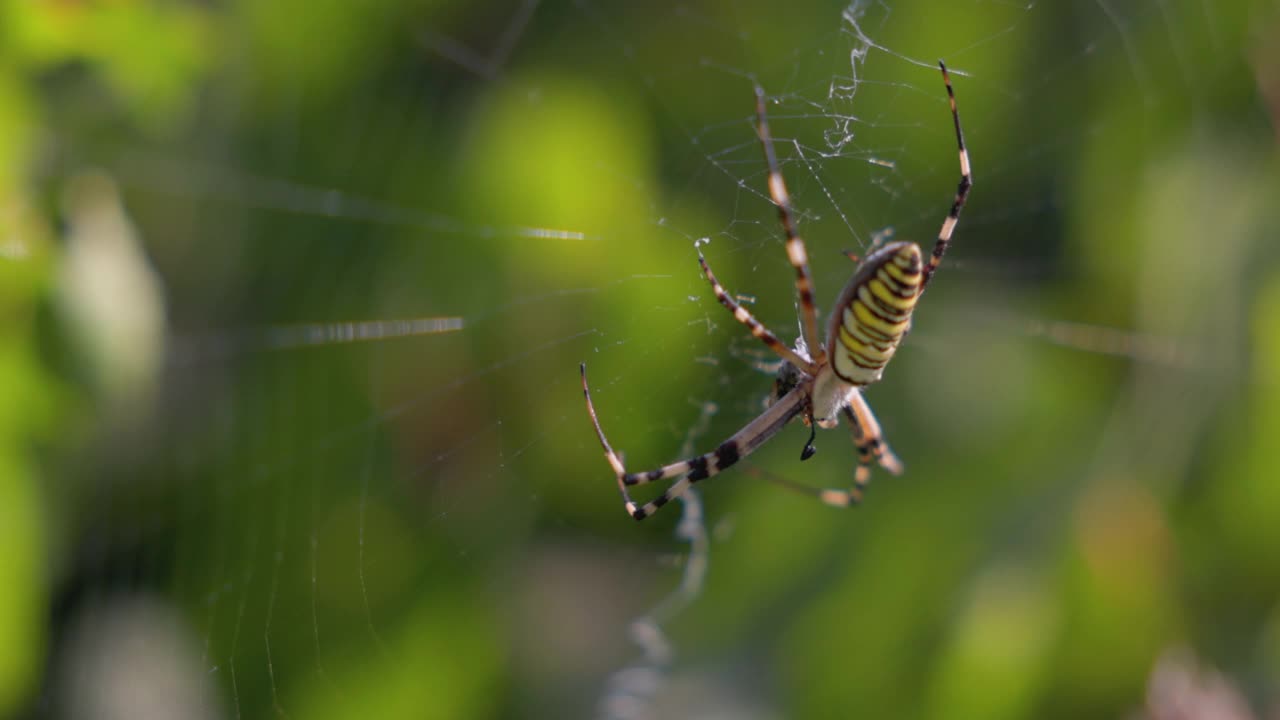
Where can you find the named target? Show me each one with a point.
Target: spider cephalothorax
(869, 320)
(786, 380)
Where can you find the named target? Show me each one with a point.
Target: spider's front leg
(869, 440)
(872, 449)
(742, 443)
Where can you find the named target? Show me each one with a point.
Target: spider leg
(841, 498)
(962, 190)
(690, 471)
(757, 328)
(795, 246)
(871, 448)
(869, 441)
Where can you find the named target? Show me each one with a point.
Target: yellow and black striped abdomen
(874, 312)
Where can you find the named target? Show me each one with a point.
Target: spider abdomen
(874, 313)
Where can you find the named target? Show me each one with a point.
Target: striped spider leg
(817, 382)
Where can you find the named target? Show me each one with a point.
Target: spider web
(340, 464)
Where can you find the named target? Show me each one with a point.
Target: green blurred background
(204, 514)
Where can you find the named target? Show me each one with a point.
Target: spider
(872, 315)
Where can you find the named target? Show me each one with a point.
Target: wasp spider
(817, 381)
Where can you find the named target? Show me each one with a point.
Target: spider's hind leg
(796, 253)
(756, 327)
(962, 189)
